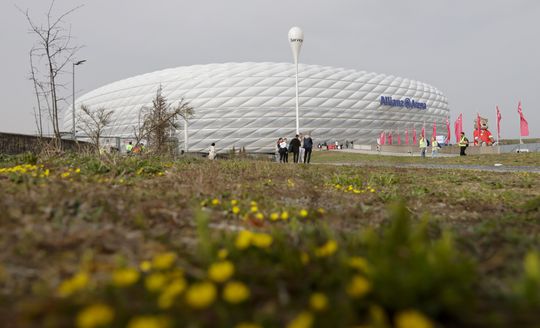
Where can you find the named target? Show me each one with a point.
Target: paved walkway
(502, 168)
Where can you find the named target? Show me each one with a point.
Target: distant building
(251, 105)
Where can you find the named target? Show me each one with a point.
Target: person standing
(422, 144)
(434, 147)
(463, 144)
(283, 157)
(308, 147)
(295, 148)
(301, 150)
(129, 148)
(212, 151)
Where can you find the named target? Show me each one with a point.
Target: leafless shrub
(93, 122)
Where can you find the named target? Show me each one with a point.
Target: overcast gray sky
(478, 53)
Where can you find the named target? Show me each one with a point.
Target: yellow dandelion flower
(201, 295)
(254, 209)
(170, 292)
(358, 287)
(47, 172)
(236, 209)
(303, 213)
(95, 315)
(149, 322)
(243, 239)
(253, 203)
(350, 187)
(274, 216)
(235, 292)
(284, 215)
(221, 271)
(359, 263)
(261, 240)
(259, 216)
(372, 190)
(337, 186)
(65, 175)
(77, 170)
(321, 210)
(302, 320)
(222, 254)
(234, 202)
(412, 319)
(215, 201)
(163, 261)
(356, 191)
(155, 281)
(247, 325)
(125, 277)
(318, 302)
(304, 258)
(77, 282)
(328, 249)
(145, 266)
(531, 264)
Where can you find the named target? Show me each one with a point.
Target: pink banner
(447, 140)
(523, 125)
(498, 124)
(407, 136)
(458, 127)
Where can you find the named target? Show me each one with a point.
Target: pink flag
(423, 134)
(399, 138)
(498, 124)
(414, 136)
(434, 134)
(390, 137)
(447, 131)
(382, 138)
(458, 127)
(523, 125)
(407, 136)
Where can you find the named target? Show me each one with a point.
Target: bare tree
(157, 123)
(93, 122)
(53, 48)
(37, 115)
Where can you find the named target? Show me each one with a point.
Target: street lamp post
(73, 131)
(296, 38)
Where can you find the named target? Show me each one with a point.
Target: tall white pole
(296, 39)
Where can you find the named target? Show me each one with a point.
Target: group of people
(423, 144)
(137, 149)
(301, 147)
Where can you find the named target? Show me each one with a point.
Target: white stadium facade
(251, 105)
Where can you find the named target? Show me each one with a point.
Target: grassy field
(148, 242)
(523, 159)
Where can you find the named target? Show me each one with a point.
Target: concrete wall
(12, 144)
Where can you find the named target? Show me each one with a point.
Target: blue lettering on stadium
(407, 103)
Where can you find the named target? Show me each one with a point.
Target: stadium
(251, 105)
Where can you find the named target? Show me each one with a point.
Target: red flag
(382, 138)
(434, 134)
(523, 125)
(423, 134)
(414, 136)
(447, 140)
(498, 124)
(390, 137)
(399, 138)
(458, 127)
(407, 136)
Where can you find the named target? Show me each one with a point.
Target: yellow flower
(125, 277)
(372, 190)
(221, 271)
(532, 266)
(236, 209)
(412, 319)
(215, 201)
(284, 215)
(243, 239)
(337, 186)
(304, 258)
(253, 203)
(155, 281)
(274, 216)
(259, 216)
(247, 325)
(77, 170)
(234, 202)
(358, 287)
(201, 295)
(145, 266)
(222, 254)
(95, 316)
(149, 322)
(261, 240)
(235, 292)
(329, 248)
(65, 175)
(168, 295)
(302, 320)
(321, 210)
(75, 283)
(163, 261)
(254, 209)
(359, 263)
(318, 301)
(303, 213)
